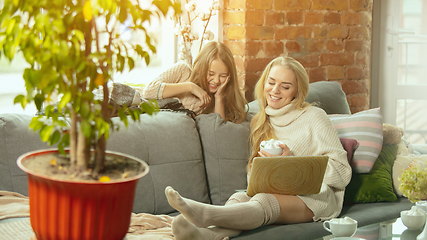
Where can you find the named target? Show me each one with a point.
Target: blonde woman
(304, 130)
(210, 85)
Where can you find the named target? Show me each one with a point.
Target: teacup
(272, 146)
(341, 227)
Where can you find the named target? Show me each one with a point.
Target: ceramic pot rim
(24, 156)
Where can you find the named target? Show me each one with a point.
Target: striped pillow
(367, 128)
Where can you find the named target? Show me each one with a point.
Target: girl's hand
(220, 92)
(202, 95)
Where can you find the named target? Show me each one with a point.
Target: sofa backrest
(168, 142)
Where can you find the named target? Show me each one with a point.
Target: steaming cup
(341, 227)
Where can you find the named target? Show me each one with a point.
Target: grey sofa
(203, 158)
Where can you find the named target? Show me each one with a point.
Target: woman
(210, 86)
(304, 130)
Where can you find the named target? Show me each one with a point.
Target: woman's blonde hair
(234, 100)
(261, 128)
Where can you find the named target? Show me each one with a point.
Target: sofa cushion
(327, 95)
(367, 128)
(376, 186)
(226, 153)
(170, 144)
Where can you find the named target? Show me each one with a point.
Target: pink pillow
(349, 145)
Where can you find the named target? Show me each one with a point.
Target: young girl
(304, 130)
(211, 85)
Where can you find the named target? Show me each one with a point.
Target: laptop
(287, 175)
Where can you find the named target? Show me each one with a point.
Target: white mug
(341, 227)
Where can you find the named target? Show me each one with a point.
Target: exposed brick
(336, 59)
(255, 18)
(234, 17)
(236, 32)
(355, 73)
(359, 33)
(253, 48)
(257, 64)
(307, 60)
(317, 74)
(260, 32)
(293, 47)
(293, 33)
(312, 18)
(338, 31)
(335, 72)
(256, 4)
(332, 5)
(354, 18)
(362, 59)
(360, 5)
(274, 18)
(354, 45)
(334, 45)
(359, 102)
(236, 47)
(354, 86)
(315, 45)
(240, 65)
(332, 18)
(291, 5)
(234, 4)
(294, 18)
(274, 48)
(251, 80)
(320, 32)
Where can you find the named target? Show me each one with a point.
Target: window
(402, 45)
(12, 82)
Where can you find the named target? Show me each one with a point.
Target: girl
(211, 85)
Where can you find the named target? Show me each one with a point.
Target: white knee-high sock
(262, 209)
(238, 197)
(184, 230)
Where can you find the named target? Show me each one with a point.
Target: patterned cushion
(367, 128)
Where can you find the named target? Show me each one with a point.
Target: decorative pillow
(367, 128)
(349, 145)
(376, 186)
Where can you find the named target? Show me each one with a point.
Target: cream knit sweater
(310, 132)
(178, 73)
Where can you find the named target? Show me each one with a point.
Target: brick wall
(331, 38)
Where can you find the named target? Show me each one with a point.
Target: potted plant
(73, 48)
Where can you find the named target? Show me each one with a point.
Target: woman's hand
(220, 91)
(201, 94)
(286, 152)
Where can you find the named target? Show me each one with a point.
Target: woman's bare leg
(293, 210)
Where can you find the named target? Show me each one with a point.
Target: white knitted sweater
(310, 132)
(178, 73)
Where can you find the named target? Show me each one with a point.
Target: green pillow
(376, 186)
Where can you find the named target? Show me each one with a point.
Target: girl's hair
(234, 100)
(261, 128)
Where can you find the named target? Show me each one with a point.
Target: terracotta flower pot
(62, 209)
